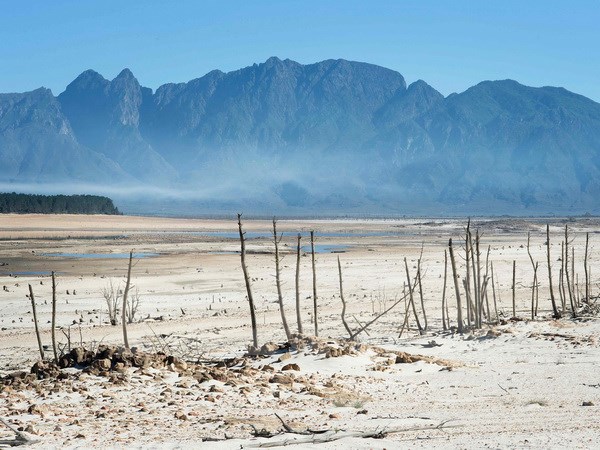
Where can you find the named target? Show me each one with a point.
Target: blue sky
(450, 44)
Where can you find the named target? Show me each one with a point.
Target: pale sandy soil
(523, 386)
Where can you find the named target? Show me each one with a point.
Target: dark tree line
(56, 204)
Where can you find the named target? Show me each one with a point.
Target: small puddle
(26, 273)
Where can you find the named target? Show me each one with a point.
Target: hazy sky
(450, 44)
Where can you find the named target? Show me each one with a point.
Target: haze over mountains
(335, 137)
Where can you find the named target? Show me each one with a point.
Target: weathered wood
(314, 275)
(566, 272)
(459, 318)
(125, 295)
(343, 300)
(298, 312)
(286, 327)
(35, 321)
(248, 284)
(585, 268)
(20, 438)
(556, 314)
(444, 311)
(53, 324)
(514, 306)
(411, 298)
(421, 292)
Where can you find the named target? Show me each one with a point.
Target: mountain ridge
(316, 137)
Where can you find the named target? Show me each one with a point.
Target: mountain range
(334, 137)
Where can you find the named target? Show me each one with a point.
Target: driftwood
(322, 436)
(368, 324)
(20, 438)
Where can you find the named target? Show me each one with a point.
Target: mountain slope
(38, 144)
(331, 136)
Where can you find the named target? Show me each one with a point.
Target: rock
(291, 366)
(31, 429)
(269, 348)
(587, 404)
(281, 379)
(334, 416)
(181, 415)
(102, 364)
(285, 357)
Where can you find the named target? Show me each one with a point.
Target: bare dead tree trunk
(468, 250)
(35, 321)
(314, 273)
(248, 285)
(456, 289)
(534, 293)
(53, 331)
(125, 295)
(286, 328)
(485, 283)
(444, 291)
(561, 278)
(514, 306)
(494, 294)
(534, 286)
(554, 309)
(566, 271)
(478, 294)
(585, 268)
(412, 298)
(298, 313)
(421, 293)
(573, 280)
(343, 300)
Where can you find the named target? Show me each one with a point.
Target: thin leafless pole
(421, 292)
(456, 289)
(485, 283)
(566, 271)
(554, 309)
(53, 331)
(561, 278)
(468, 250)
(286, 328)
(314, 273)
(412, 298)
(343, 300)
(534, 286)
(494, 293)
(125, 295)
(298, 314)
(534, 293)
(514, 305)
(444, 290)
(247, 281)
(35, 321)
(585, 268)
(573, 280)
